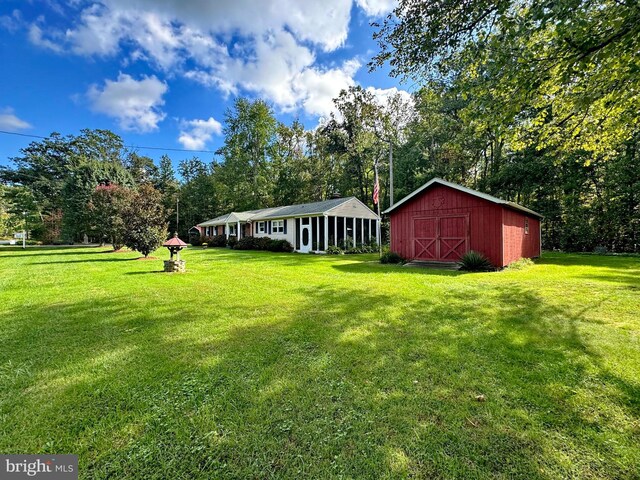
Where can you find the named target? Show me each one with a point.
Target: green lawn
(259, 365)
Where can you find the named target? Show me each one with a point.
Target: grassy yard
(259, 365)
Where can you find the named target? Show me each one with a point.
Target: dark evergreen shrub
(262, 243)
(280, 246)
(392, 257)
(199, 240)
(246, 243)
(473, 261)
(217, 241)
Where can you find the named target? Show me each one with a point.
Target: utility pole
(177, 214)
(24, 230)
(390, 173)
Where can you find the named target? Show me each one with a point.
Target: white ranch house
(309, 227)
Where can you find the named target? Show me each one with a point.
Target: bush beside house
(263, 243)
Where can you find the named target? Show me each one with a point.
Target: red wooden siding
(517, 243)
(452, 212)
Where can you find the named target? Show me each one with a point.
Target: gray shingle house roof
(301, 210)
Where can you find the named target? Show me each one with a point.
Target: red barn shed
(441, 221)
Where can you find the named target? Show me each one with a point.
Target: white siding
(352, 208)
(290, 236)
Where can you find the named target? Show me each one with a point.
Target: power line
(167, 149)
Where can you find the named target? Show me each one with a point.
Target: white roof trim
(470, 191)
(357, 200)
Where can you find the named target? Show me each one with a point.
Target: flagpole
(377, 201)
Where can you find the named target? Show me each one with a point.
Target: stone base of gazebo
(179, 266)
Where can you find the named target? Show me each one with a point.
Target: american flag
(376, 187)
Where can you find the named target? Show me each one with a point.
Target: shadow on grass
(89, 260)
(144, 272)
(342, 383)
(48, 251)
(370, 266)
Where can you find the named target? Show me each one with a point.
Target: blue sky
(163, 72)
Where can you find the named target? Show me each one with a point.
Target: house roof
(470, 191)
(303, 209)
(300, 210)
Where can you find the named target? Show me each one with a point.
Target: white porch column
(344, 232)
(369, 230)
(362, 231)
(326, 232)
(317, 234)
(238, 230)
(355, 236)
(226, 230)
(335, 231)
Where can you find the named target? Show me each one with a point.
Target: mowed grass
(261, 365)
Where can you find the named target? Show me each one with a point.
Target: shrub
(198, 240)
(392, 257)
(346, 243)
(280, 246)
(333, 250)
(368, 248)
(232, 241)
(520, 264)
(473, 261)
(246, 243)
(262, 243)
(217, 241)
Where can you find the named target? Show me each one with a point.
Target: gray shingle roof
(315, 208)
(303, 209)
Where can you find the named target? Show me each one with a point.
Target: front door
(305, 238)
(443, 239)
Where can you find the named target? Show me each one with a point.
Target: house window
(277, 226)
(232, 229)
(526, 226)
(261, 228)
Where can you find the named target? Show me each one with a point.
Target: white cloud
(99, 32)
(324, 23)
(134, 103)
(9, 121)
(384, 95)
(282, 71)
(318, 88)
(266, 47)
(376, 8)
(12, 22)
(36, 36)
(195, 134)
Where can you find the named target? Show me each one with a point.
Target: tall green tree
(245, 172)
(566, 71)
(199, 194)
(106, 208)
(78, 189)
(167, 184)
(145, 220)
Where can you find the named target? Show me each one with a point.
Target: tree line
(533, 102)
